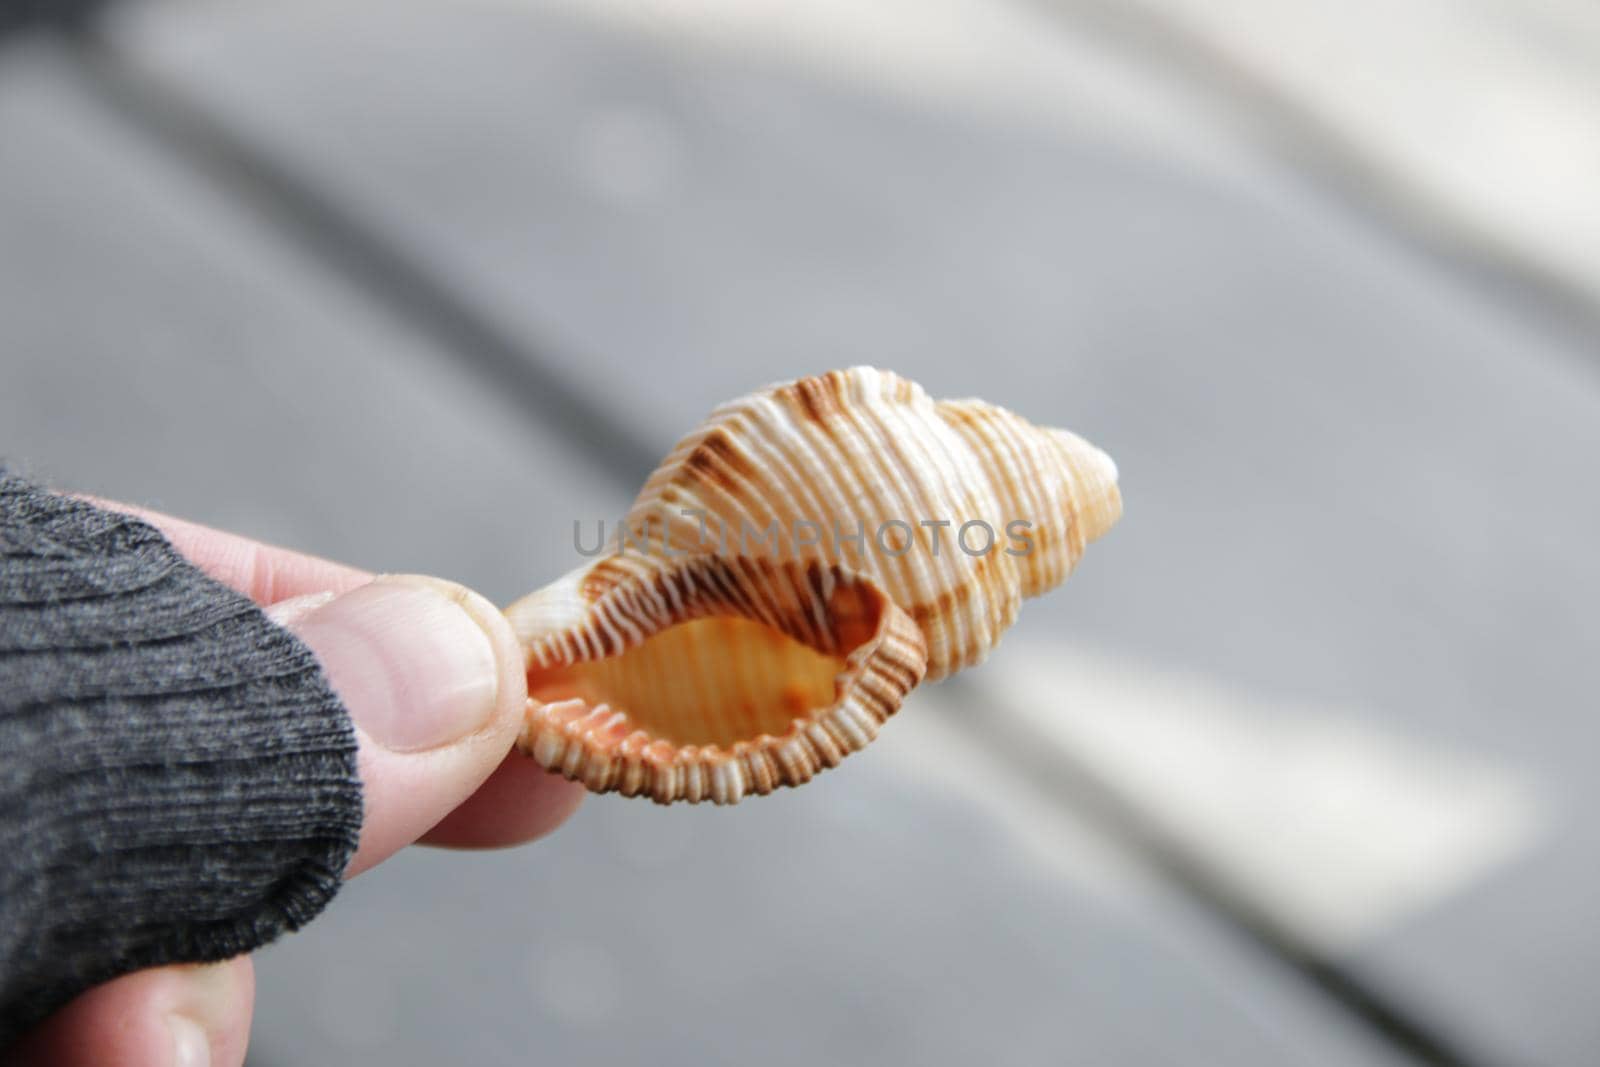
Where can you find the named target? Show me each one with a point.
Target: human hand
(433, 679)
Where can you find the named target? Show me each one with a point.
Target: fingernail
(408, 657)
(205, 1000)
(190, 1045)
(290, 612)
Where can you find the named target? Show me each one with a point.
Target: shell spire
(808, 555)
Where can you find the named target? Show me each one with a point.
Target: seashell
(808, 555)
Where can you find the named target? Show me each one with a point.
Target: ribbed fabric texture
(177, 780)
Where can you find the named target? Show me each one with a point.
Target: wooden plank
(164, 346)
(1351, 481)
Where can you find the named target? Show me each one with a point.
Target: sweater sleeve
(177, 780)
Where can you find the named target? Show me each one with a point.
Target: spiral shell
(795, 567)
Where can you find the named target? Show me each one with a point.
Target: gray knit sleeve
(177, 780)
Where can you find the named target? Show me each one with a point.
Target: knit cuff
(177, 780)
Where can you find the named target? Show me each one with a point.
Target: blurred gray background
(1296, 770)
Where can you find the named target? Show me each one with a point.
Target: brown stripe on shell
(819, 398)
(717, 459)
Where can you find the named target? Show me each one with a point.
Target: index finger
(264, 573)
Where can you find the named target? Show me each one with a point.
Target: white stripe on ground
(1327, 817)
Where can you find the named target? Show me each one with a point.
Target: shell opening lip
(685, 684)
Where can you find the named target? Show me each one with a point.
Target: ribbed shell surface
(862, 531)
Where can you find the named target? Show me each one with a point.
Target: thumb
(432, 676)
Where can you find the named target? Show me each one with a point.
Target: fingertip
(161, 1017)
(433, 678)
(219, 999)
(520, 802)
